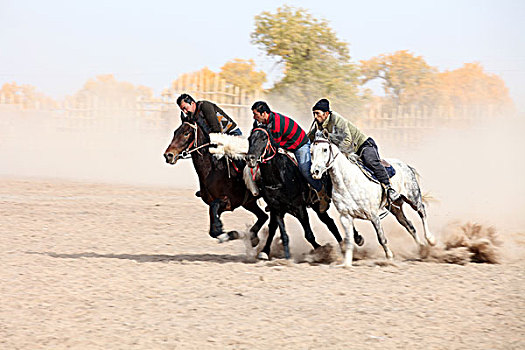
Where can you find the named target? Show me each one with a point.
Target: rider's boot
(391, 193)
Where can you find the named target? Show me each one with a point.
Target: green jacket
(354, 138)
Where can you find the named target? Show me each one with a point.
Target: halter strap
(188, 151)
(331, 157)
(267, 149)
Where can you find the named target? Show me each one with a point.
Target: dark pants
(370, 157)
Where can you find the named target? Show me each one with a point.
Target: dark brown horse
(221, 185)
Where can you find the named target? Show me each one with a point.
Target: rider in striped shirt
(287, 134)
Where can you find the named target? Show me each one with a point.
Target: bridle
(185, 154)
(331, 156)
(269, 151)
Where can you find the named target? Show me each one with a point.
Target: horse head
(323, 154)
(183, 139)
(260, 148)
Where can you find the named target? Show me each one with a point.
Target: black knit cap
(322, 105)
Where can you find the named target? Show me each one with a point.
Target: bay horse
(285, 190)
(222, 187)
(357, 197)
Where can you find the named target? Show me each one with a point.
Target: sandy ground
(93, 266)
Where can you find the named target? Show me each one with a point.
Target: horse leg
(284, 235)
(429, 236)
(272, 227)
(328, 221)
(217, 207)
(253, 207)
(420, 208)
(305, 223)
(347, 247)
(403, 220)
(381, 237)
(215, 218)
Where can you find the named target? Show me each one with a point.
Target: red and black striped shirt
(286, 132)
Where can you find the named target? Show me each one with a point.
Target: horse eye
(325, 150)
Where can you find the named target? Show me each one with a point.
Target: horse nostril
(168, 157)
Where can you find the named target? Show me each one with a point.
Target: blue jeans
(304, 160)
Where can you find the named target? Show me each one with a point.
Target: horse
(285, 190)
(357, 197)
(222, 186)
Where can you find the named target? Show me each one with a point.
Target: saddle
(369, 173)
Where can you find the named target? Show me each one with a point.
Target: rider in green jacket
(355, 141)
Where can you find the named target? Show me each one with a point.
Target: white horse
(357, 197)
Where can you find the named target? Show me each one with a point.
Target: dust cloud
(474, 173)
(44, 145)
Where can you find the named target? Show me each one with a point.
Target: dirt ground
(94, 266)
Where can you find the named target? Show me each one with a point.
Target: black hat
(322, 105)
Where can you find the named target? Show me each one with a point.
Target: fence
(406, 125)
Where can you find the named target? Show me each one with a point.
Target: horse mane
(336, 137)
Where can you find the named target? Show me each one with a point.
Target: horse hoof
(232, 235)
(223, 238)
(255, 241)
(343, 266)
(431, 240)
(263, 256)
(359, 240)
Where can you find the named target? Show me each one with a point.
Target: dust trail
(44, 145)
(464, 243)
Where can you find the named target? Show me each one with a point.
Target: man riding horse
(287, 134)
(215, 118)
(355, 141)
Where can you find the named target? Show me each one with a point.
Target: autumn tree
(242, 73)
(315, 62)
(200, 80)
(471, 86)
(106, 92)
(25, 95)
(406, 78)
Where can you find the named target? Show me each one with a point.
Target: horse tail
(427, 197)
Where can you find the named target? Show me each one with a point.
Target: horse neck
(344, 172)
(272, 170)
(202, 159)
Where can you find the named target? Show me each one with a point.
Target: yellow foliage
(470, 85)
(242, 73)
(25, 95)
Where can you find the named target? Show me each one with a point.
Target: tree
(407, 79)
(242, 73)
(470, 86)
(199, 81)
(25, 95)
(107, 92)
(315, 62)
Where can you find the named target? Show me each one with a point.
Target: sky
(58, 45)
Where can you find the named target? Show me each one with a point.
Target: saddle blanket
(370, 174)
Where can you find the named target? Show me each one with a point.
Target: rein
(188, 151)
(265, 156)
(267, 149)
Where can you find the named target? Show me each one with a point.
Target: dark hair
(186, 98)
(261, 107)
